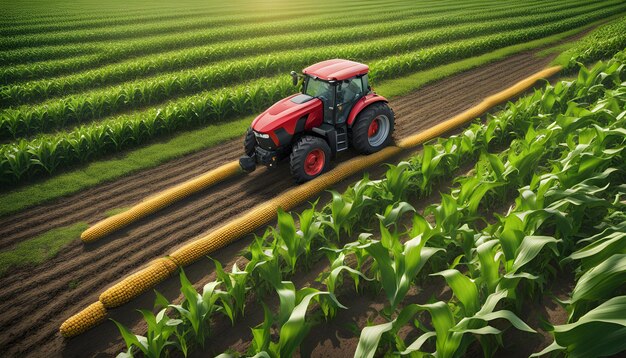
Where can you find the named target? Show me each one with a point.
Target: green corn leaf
(601, 281)
(600, 332)
(496, 165)
(464, 289)
(394, 212)
(130, 339)
(502, 314)
(530, 248)
(160, 301)
(261, 335)
(511, 236)
(489, 265)
(602, 247)
(548, 350)
(510, 281)
(295, 329)
(334, 275)
(417, 344)
(370, 336)
(369, 339)
(287, 295)
(479, 192)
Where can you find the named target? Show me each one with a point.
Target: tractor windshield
(318, 88)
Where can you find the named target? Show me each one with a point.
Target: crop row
(505, 260)
(42, 89)
(49, 153)
(65, 24)
(601, 43)
(172, 26)
(92, 16)
(118, 51)
(78, 109)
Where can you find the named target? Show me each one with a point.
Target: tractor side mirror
(294, 78)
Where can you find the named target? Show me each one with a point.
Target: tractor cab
(338, 84)
(336, 108)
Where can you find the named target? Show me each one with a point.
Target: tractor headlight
(261, 135)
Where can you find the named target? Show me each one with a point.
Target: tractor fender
(361, 104)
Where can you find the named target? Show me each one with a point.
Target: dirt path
(35, 301)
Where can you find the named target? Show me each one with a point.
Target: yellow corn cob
(137, 283)
(159, 201)
(83, 320)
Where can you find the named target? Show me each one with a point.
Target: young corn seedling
(291, 322)
(396, 184)
(397, 264)
(235, 284)
(161, 328)
(197, 309)
(156, 341)
(347, 209)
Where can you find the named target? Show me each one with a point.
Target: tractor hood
(286, 113)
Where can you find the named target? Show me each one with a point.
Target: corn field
(556, 157)
(79, 90)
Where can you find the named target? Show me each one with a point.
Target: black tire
(249, 143)
(299, 154)
(360, 136)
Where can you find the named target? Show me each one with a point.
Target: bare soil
(35, 301)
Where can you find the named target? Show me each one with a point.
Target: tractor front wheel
(309, 158)
(373, 128)
(249, 143)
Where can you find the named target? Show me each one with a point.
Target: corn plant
(291, 320)
(235, 288)
(154, 344)
(397, 264)
(197, 308)
(600, 332)
(345, 210)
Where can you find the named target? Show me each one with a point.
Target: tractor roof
(336, 70)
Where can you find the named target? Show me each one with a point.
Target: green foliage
(601, 44)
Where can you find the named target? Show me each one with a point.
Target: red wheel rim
(373, 129)
(314, 162)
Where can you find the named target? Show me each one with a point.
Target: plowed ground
(35, 301)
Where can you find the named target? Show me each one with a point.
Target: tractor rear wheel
(309, 158)
(249, 143)
(373, 128)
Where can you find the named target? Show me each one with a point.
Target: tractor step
(342, 138)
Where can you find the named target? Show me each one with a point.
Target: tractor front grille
(265, 143)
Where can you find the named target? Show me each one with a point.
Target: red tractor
(336, 109)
